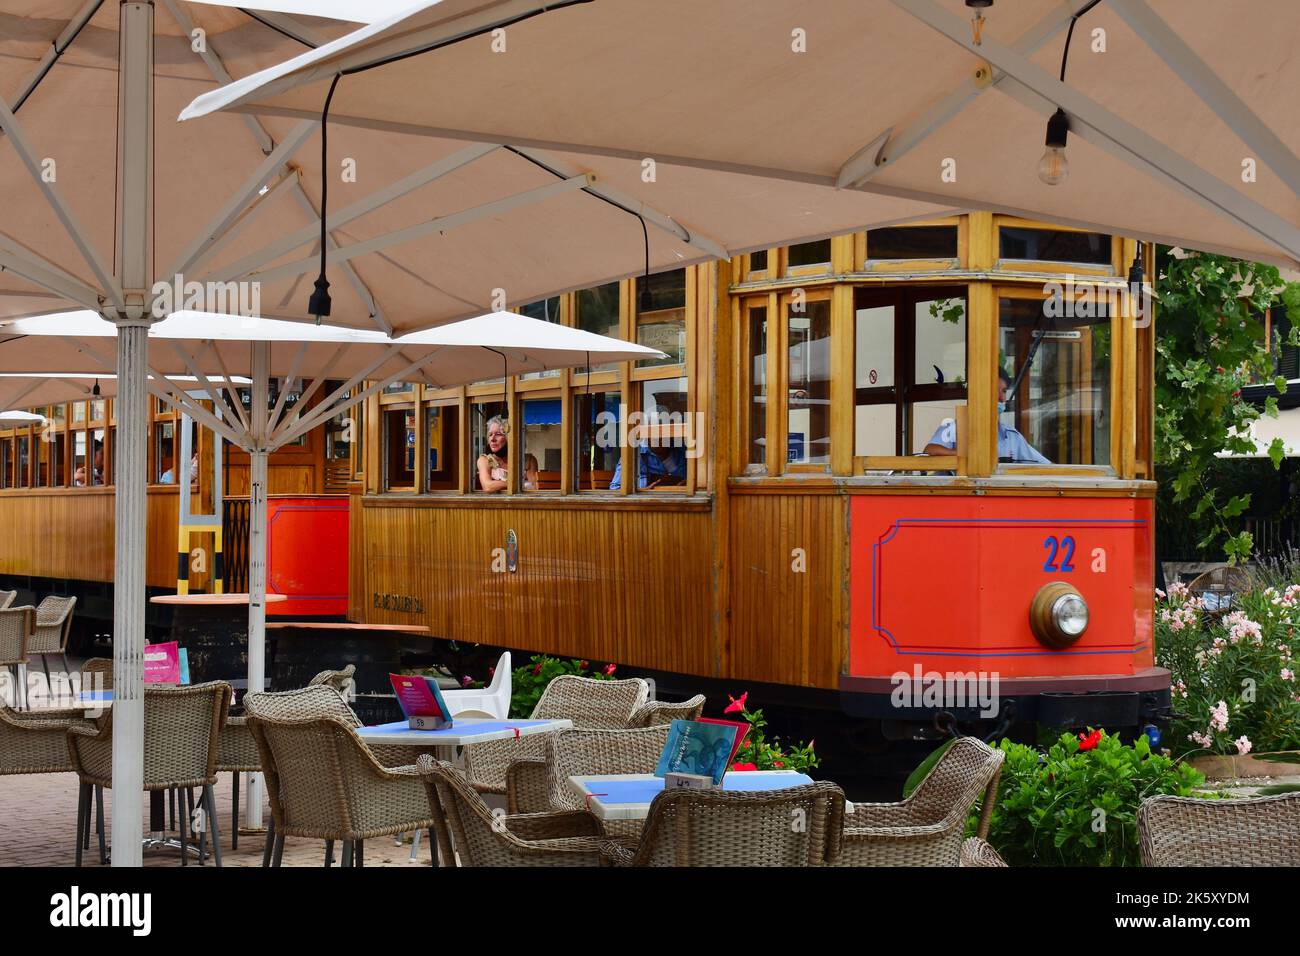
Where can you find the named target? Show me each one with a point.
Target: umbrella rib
(69, 33)
(18, 139)
(232, 393)
(22, 261)
(285, 386)
(213, 392)
(347, 386)
(173, 394)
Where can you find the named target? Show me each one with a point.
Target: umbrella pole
(257, 478)
(135, 216)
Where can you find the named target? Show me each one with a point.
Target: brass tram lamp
(1058, 615)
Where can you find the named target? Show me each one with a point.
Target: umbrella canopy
(1180, 112)
(13, 419)
(20, 391)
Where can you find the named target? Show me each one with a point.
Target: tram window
(79, 411)
(109, 475)
(808, 404)
(912, 242)
(757, 371)
(441, 443)
(44, 472)
(817, 253)
(598, 311)
(758, 261)
(58, 456)
(597, 417)
(543, 444)
(1053, 245)
(547, 310)
(398, 388)
(1062, 403)
(24, 461)
(97, 407)
(94, 475)
(486, 420)
(6, 463)
(665, 437)
(399, 448)
(165, 467)
(875, 413)
(661, 316)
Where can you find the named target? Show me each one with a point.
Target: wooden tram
(788, 531)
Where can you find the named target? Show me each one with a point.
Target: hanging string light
(1053, 167)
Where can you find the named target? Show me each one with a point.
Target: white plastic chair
(490, 701)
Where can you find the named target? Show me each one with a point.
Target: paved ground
(38, 822)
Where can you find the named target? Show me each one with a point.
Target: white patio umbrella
(1181, 112)
(12, 419)
(21, 391)
(209, 347)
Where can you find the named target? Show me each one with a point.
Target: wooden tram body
(802, 544)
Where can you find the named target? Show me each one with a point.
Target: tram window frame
(449, 407)
(904, 393)
(552, 476)
(811, 268)
(6, 461)
(1114, 390)
(410, 452)
(784, 302)
(1114, 267)
(500, 405)
(758, 265)
(575, 439)
(754, 457)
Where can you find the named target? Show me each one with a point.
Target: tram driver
(1012, 446)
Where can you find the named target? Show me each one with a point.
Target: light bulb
(1054, 168)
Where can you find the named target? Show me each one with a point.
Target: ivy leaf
(1236, 505)
(1276, 452)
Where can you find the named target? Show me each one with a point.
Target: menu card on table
(162, 663)
(698, 749)
(421, 701)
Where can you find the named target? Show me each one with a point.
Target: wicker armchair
(975, 852)
(37, 742)
(801, 826)
(1185, 831)
(469, 833)
(654, 712)
(927, 828)
(100, 670)
(325, 784)
(16, 624)
(7, 598)
(588, 703)
(53, 624)
(181, 729)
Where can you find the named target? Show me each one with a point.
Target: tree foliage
(1210, 344)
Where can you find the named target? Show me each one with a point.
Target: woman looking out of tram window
(494, 465)
(1012, 446)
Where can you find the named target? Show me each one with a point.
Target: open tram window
(164, 437)
(491, 443)
(442, 447)
(24, 461)
(808, 380)
(597, 443)
(399, 449)
(1056, 357)
(543, 444)
(6, 463)
(663, 437)
(910, 370)
(755, 387)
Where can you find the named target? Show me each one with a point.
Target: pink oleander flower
(466, 681)
(1288, 674)
(1219, 717)
(1160, 594)
(609, 670)
(737, 705)
(1243, 745)
(1197, 737)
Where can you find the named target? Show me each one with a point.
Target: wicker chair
(1185, 831)
(480, 838)
(53, 624)
(325, 784)
(7, 598)
(801, 826)
(181, 729)
(975, 852)
(927, 828)
(37, 742)
(16, 624)
(588, 703)
(654, 712)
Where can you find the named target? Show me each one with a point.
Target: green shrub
(1076, 805)
(759, 753)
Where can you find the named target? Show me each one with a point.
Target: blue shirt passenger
(655, 470)
(1011, 444)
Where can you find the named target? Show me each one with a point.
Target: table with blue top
(627, 796)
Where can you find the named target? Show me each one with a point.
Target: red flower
(585, 665)
(466, 681)
(778, 763)
(736, 706)
(609, 670)
(1089, 741)
(744, 766)
(537, 670)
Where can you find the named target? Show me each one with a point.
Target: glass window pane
(165, 453)
(598, 311)
(940, 342)
(442, 438)
(596, 428)
(79, 412)
(398, 429)
(810, 253)
(543, 444)
(874, 428)
(808, 418)
(757, 387)
(927, 420)
(912, 242)
(490, 438)
(661, 316)
(666, 437)
(97, 410)
(1052, 245)
(24, 460)
(874, 343)
(758, 261)
(1062, 408)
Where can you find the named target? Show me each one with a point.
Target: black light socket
(1058, 128)
(319, 305)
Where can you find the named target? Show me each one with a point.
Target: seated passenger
(494, 465)
(1011, 444)
(168, 476)
(660, 467)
